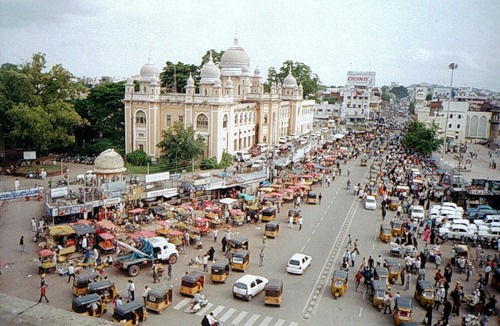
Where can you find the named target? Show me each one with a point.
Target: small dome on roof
(289, 81)
(229, 83)
(129, 82)
(149, 70)
(153, 81)
(190, 81)
(109, 162)
(209, 72)
(256, 72)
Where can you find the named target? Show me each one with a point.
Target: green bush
(226, 160)
(209, 163)
(139, 158)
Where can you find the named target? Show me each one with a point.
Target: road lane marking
(309, 239)
(364, 294)
(318, 224)
(373, 247)
(266, 321)
(293, 324)
(202, 311)
(239, 318)
(360, 311)
(280, 322)
(314, 231)
(182, 303)
(252, 320)
(218, 310)
(228, 314)
(302, 250)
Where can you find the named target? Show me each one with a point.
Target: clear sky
(403, 41)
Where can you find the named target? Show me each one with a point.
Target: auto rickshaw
(89, 305)
(272, 229)
(295, 213)
(393, 203)
(363, 162)
(192, 283)
(339, 283)
(393, 266)
(237, 244)
(81, 281)
(312, 198)
(424, 293)
(402, 311)
(385, 233)
(46, 261)
(377, 292)
(129, 314)
(240, 260)
(159, 298)
(268, 214)
(219, 271)
(382, 274)
(106, 289)
(273, 292)
(396, 227)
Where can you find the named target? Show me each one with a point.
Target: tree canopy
(421, 138)
(174, 76)
(400, 92)
(216, 57)
(102, 111)
(179, 143)
(36, 111)
(302, 73)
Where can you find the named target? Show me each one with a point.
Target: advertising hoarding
(361, 78)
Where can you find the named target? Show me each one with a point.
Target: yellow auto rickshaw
(376, 293)
(272, 229)
(295, 213)
(105, 289)
(81, 282)
(363, 162)
(393, 203)
(382, 274)
(385, 233)
(240, 260)
(192, 283)
(312, 198)
(159, 298)
(129, 314)
(268, 214)
(394, 268)
(219, 271)
(339, 283)
(402, 311)
(237, 244)
(89, 305)
(273, 292)
(424, 293)
(396, 226)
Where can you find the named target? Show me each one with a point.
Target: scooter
(198, 303)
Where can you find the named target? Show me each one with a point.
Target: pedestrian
(320, 197)
(438, 261)
(353, 258)
(290, 221)
(437, 298)
(224, 244)
(261, 258)
(211, 254)
(33, 225)
(357, 279)
(131, 290)
(387, 302)
(447, 311)
(205, 263)
(356, 246)
(384, 213)
(118, 302)
(155, 274)
(169, 271)
(379, 261)
(145, 294)
(428, 315)
(264, 238)
(21, 244)
(301, 220)
(71, 272)
(43, 289)
(16, 187)
(487, 271)
(216, 233)
(349, 241)
(402, 276)
(407, 281)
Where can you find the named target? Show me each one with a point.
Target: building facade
(227, 107)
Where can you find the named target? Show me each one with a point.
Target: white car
(417, 211)
(462, 221)
(492, 234)
(258, 164)
(457, 231)
(89, 175)
(370, 202)
(453, 205)
(487, 220)
(282, 140)
(248, 286)
(298, 263)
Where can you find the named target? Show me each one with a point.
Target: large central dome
(235, 57)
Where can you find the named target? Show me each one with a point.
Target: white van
(242, 156)
(263, 147)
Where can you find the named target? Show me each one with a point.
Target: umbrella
(45, 253)
(227, 201)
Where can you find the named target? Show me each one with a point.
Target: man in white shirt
(71, 272)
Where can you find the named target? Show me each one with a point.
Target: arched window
(201, 121)
(224, 121)
(140, 117)
(246, 117)
(236, 119)
(265, 119)
(241, 118)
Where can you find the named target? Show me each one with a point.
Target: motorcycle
(198, 303)
(37, 236)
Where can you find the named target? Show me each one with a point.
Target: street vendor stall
(61, 237)
(237, 216)
(144, 234)
(105, 226)
(46, 261)
(105, 241)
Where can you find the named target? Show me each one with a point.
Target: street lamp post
(451, 66)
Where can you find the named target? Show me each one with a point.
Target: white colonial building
(227, 107)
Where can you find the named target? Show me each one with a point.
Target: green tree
(179, 143)
(400, 92)
(35, 105)
(421, 138)
(174, 76)
(216, 57)
(302, 73)
(411, 107)
(102, 111)
(139, 158)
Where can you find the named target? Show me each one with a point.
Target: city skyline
(400, 41)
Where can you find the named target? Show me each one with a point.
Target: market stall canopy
(227, 201)
(83, 222)
(83, 229)
(136, 210)
(45, 253)
(60, 230)
(339, 136)
(106, 236)
(142, 234)
(105, 224)
(246, 197)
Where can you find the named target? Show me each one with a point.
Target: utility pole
(451, 66)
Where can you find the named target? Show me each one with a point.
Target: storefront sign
(70, 210)
(59, 192)
(161, 192)
(157, 177)
(175, 176)
(111, 201)
(361, 78)
(30, 192)
(216, 185)
(201, 182)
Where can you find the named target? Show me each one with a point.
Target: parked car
(248, 286)
(474, 210)
(417, 211)
(242, 156)
(258, 165)
(492, 233)
(298, 263)
(483, 213)
(488, 219)
(88, 176)
(282, 140)
(370, 202)
(457, 231)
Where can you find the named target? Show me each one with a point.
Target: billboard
(29, 155)
(361, 78)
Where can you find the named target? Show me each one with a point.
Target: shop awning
(60, 230)
(227, 201)
(82, 229)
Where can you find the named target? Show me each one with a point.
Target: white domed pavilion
(109, 166)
